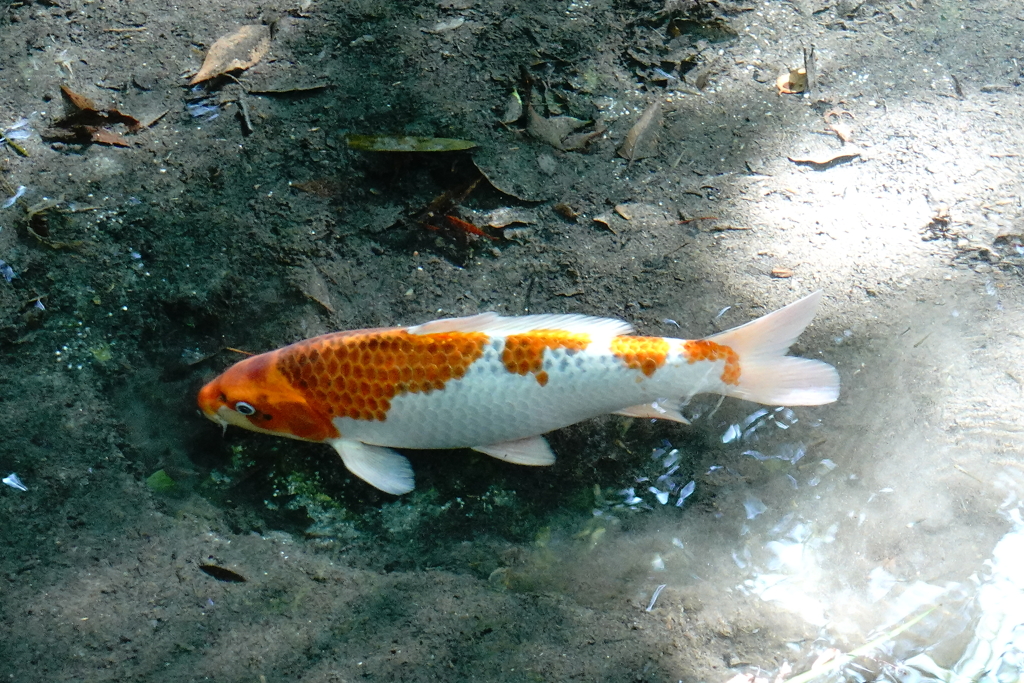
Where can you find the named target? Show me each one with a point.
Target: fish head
(254, 395)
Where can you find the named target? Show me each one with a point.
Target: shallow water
(756, 544)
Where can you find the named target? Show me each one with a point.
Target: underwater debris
(834, 123)
(406, 143)
(87, 122)
(438, 214)
(221, 574)
(446, 25)
(754, 507)
(159, 481)
(826, 160)
(781, 417)
(6, 271)
(237, 51)
(654, 597)
(16, 132)
(686, 492)
(792, 82)
(14, 482)
(641, 141)
(566, 211)
(661, 496)
(460, 225)
(559, 131)
(513, 110)
(9, 202)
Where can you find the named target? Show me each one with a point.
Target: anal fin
(659, 410)
(533, 450)
(379, 467)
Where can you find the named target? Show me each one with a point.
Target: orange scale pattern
(524, 353)
(357, 375)
(710, 351)
(645, 354)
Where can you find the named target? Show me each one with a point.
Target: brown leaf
(553, 130)
(239, 50)
(842, 131)
(578, 141)
(782, 272)
(103, 136)
(77, 100)
(86, 113)
(642, 139)
(792, 82)
(835, 123)
(566, 211)
(606, 221)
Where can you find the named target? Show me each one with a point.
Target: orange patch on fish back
(710, 351)
(524, 353)
(645, 354)
(357, 375)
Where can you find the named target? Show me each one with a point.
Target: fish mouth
(225, 416)
(214, 416)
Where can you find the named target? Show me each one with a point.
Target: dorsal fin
(494, 324)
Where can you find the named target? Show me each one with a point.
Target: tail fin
(767, 374)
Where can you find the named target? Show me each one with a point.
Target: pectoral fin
(377, 466)
(659, 410)
(533, 450)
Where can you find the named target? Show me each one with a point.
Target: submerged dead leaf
(86, 122)
(513, 109)
(782, 272)
(606, 221)
(311, 283)
(557, 131)
(828, 159)
(642, 139)
(327, 188)
(77, 100)
(835, 123)
(842, 131)
(566, 211)
(506, 216)
(407, 143)
(103, 136)
(241, 49)
(221, 573)
(792, 82)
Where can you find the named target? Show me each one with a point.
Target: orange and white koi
(495, 384)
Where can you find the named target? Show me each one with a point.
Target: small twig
(968, 473)
(956, 86)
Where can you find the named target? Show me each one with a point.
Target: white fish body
(496, 384)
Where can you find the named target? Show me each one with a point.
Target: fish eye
(245, 408)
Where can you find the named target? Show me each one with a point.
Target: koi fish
(495, 384)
